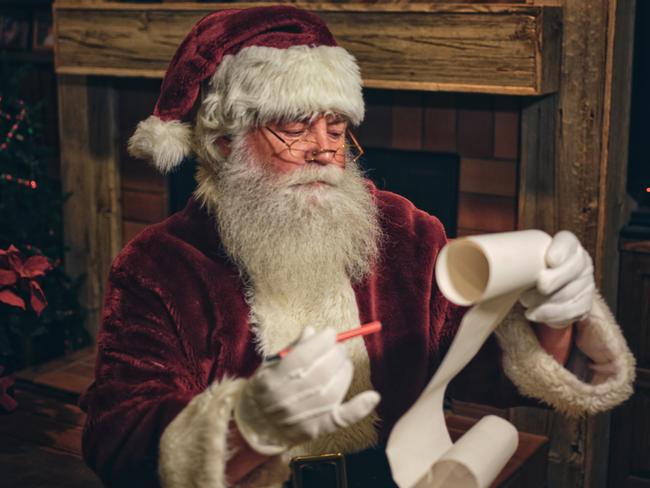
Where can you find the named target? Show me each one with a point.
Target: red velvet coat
(175, 320)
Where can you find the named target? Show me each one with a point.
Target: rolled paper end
(477, 458)
(462, 272)
(478, 268)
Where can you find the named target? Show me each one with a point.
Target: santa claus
(284, 242)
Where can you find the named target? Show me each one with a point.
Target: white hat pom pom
(164, 143)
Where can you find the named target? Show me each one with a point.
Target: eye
(293, 129)
(293, 133)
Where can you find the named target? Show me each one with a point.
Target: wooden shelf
(486, 48)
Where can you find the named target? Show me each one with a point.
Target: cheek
(265, 153)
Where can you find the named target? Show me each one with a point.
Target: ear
(223, 143)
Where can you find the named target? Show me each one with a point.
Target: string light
(20, 181)
(32, 184)
(15, 126)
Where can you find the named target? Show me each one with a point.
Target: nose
(322, 153)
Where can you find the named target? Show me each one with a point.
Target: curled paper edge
(503, 265)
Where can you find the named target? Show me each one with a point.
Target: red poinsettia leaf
(37, 298)
(10, 250)
(35, 266)
(10, 298)
(7, 277)
(15, 263)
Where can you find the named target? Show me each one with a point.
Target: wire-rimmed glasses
(303, 149)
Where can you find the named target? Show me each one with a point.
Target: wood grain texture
(489, 177)
(630, 428)
(434, 47)
(407, 120)
(130, 229)
(571, 178)
(143, 206)
(90, 172)
(487, 213)
(536, 204)
(612, 213)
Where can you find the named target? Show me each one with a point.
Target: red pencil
(365, 329)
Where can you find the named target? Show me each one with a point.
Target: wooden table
(40, 441)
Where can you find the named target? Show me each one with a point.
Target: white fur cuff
(193, 447)
(537, 374)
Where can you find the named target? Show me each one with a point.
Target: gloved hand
(300, 397)
(564, 291)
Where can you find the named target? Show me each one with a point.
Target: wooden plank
(536, 204)
(407, 120)
(377, 127)
(131, 229)
(635, 246)
(27, 465)
(475, 127)
(33, 374)
(439, 130)
(571, 175)
(57, 411)
(470, 48)
(42, 431)
(615, 148)
(143, 206)
(487, 213)
(488, 177)
(506, 128)
(89, 171)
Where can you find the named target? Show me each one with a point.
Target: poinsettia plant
(19, 279)
(41, 316)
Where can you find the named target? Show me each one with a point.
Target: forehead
(330, 118)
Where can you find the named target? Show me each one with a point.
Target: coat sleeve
(599, 377)
(146, 378)
(153, 417)
(512, 369)
(143, 380)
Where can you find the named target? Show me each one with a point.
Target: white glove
(299, 398)
(564, 291)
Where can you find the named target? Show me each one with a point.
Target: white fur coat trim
(193, 447)
(537, 374)
(164, 144)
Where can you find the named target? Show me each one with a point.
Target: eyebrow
(337, 120)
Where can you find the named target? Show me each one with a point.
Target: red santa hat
(263, 63)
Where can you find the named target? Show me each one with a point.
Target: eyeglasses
(302, 148)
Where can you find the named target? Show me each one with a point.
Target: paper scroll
(490, 271)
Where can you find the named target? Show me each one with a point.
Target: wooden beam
(489, 48)
(90, 172)
(537, 165)
(572, 176)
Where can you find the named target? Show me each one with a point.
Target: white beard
(299, 248)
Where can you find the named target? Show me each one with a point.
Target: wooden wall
(482, 129)
(144, 190)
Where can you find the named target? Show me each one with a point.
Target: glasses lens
(305, 150)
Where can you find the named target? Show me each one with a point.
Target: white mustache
(331, 175)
